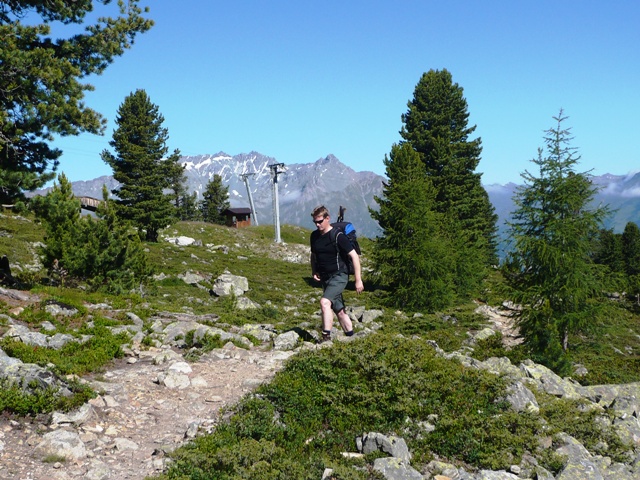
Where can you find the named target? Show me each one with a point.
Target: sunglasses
(318, 222)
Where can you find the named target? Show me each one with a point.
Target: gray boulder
(182, 241)
(286, 341)
(522, 399)
(393, 468)
(392, 445)
(98, 471)
(243, 303)
(62, 443)
(76, 417)
(369, 316)
(175, 332)
(496, 475)
(550, 382)
(227, 284)
(192, 278)
(60, 310)
(263, 332)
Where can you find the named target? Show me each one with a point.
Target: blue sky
(300, 80)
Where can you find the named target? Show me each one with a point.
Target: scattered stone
(180, 367)
(76, 417)
(172, 379)
(192, 430)
(48, 326)
(227, 284)
(286, 341)
(124, 444)
(58, 309)
(393, 468)
(98, 471)
(61, 443)
(243, 303)
(327, 474)
(394, 446)
(192, 278)
(181, 241)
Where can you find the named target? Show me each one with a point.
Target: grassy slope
(373, 384)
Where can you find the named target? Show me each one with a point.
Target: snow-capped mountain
(301, 187)
(328, 181)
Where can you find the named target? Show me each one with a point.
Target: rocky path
(150, 403)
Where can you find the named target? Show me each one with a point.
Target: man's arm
(355, 259)
(314, 274)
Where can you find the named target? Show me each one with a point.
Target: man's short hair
(320, 210)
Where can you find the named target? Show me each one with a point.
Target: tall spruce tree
(550, 267)
(215, 200)
(142, 167)
(41, 82)
(436, 126)
(413, 256)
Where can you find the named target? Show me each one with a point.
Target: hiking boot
(326, 337)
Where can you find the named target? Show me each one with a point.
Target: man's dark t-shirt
(328, 259)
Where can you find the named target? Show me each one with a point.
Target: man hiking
(329, 268)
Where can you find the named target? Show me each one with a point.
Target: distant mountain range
(300, 188)
(328, 181)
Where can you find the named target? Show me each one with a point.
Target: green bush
(199, 347)
(23, 400)
(315, 408)
(75, 357)
(103, 252)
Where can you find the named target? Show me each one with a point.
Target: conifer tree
(59, 212)
(215, 200)
(413, 256)
(436, 126)
(550, 267)
(42, 81)
(142, 167)
(608, 250)
(630, 246)
(630, 240)
(114, 257)
(102, 252)
(188, 207)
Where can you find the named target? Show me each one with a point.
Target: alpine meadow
(464, 365)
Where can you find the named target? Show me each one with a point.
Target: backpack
(349, 230)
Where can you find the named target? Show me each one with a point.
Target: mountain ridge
(328, 181)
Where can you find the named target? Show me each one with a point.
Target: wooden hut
(89, 203)
(238, 217)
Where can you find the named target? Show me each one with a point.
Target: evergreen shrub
(315, 408)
